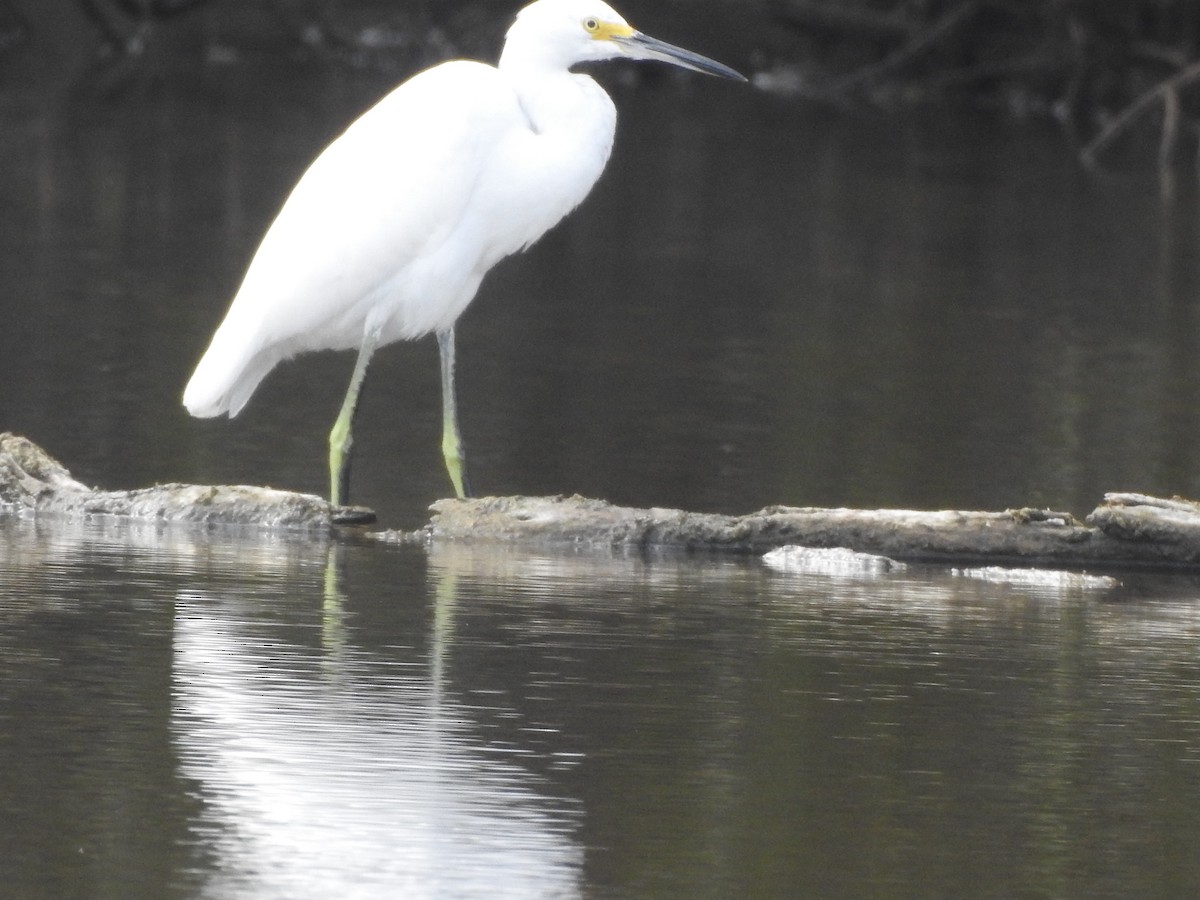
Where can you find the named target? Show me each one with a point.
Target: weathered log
(1125, 531)
(33, 481)
(1172, 525)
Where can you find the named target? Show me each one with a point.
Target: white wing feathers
(370, 219)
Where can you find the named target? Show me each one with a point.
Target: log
(32, 481)
(1125, 531)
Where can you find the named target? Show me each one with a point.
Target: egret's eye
(591, 25)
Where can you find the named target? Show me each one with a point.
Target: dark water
(760, 304)
(197, 715)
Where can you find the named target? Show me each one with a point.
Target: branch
(806, 14)
(1166, 90)
(914, 48)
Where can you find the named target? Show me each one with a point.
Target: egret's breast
(544, 169)
(445, 178)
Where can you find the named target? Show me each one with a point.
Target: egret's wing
(395, 185)
(382, 196)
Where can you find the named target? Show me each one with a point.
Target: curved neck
(555, 99)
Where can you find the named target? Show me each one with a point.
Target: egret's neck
(556, 160)
(558, 101)
(522, 57)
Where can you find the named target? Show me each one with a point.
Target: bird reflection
(323, 766)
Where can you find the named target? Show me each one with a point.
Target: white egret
(389, 233)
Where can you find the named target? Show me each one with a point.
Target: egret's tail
(225, 378)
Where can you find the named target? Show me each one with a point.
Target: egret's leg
(341, 440)
(452, 445)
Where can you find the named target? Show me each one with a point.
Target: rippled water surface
(240, 716)
(761, 303)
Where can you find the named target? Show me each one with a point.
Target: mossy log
(1125, 531)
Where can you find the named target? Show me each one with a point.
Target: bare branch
(1164, 90)
(920, 44)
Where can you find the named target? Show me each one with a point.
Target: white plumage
(389, 233)
(394, 230)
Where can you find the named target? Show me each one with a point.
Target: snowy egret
(389, 233)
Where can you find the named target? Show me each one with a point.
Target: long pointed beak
(642, 46)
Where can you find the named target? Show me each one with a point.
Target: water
(190, 714)
(761, 303)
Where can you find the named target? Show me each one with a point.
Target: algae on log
(1125, 531)
(32, 480)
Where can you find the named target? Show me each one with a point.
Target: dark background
(881, 275)
(1078, 62)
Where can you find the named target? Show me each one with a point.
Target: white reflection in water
(335, 775)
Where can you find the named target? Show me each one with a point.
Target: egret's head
(561, 33)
